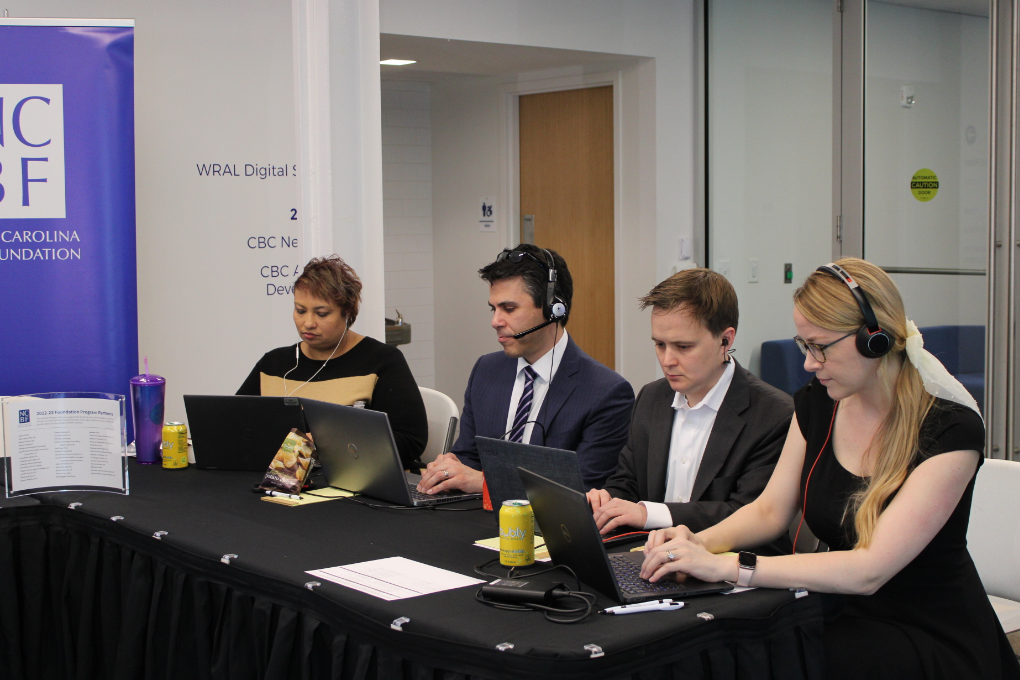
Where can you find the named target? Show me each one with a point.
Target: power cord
(555, 593)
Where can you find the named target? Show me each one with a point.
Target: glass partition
(926, 169)
(769, 152)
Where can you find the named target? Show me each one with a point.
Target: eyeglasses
(817, 351)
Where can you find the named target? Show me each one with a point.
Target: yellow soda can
(175, 445)
(516, 534)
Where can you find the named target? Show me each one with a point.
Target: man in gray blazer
(705, 438)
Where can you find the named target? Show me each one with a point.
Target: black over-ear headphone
(554, 308)
(872, 341)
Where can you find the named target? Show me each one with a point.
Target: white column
(310, 21)
(336, 55)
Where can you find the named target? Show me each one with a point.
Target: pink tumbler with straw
(147, 398)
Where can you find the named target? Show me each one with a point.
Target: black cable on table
(583, 612)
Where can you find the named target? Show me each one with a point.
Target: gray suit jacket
(741, 453)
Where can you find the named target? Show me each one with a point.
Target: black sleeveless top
(932, 619)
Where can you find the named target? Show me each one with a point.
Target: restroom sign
(924, 185)
(486, 214)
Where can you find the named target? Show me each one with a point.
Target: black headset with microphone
(872, 342)
(554, 308)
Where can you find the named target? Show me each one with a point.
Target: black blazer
(587, 410)
(742, 451)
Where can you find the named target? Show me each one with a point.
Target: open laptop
(500, 460)
(240, 432)
(573, 540)
(357, 453)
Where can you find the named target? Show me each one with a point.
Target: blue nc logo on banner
(32, 151)
(23, 416)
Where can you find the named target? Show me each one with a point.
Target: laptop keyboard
(628, 575)
(440, 497)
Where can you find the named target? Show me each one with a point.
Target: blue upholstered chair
(782, 365)
(960, 348)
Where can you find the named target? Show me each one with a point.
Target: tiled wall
(407, 218)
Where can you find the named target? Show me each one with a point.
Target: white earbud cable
(297, 354)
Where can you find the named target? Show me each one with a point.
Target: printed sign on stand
(65, 441)
(67, 205)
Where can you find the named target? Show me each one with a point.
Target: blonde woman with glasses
(881, 455)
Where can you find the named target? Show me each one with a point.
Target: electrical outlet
(752, 270)
(723, 267)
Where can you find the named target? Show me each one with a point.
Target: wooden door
(566, 149)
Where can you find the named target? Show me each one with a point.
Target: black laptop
(240, 432)
(573, 540)
(357, 453)
(500, 460)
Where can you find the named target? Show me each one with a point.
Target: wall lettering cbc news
(274, 272)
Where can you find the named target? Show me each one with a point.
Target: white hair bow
(938, 381)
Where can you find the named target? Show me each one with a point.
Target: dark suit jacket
(742, 451)
(587, 410)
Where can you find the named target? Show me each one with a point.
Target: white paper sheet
(395, 578)
(58, 443)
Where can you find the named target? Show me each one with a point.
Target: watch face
(747, 559)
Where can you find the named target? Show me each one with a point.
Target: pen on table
(654, 606)
(281, 494)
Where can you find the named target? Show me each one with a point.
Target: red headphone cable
(803, 509)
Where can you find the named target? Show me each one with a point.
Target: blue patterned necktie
(524, 405)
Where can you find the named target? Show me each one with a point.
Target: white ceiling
(440, 59)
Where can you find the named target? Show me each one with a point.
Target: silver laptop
(358, 454)
(573, 540)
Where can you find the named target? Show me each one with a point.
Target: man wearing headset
(542, 388)
(705, 438)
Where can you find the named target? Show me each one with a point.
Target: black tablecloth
(84, 596)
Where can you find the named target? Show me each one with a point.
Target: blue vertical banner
(68, 289)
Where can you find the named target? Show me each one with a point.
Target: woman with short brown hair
(335, 364)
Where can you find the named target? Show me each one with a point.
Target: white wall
(465, 120)
(407, 218)
(658, 154)
(770, 158)
(661, 29)
(214, 83)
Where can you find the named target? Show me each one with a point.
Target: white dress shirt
(692, 426)
(545, 367)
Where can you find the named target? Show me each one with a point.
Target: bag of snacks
(291, 464)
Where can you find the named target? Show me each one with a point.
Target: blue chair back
(782, 365)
